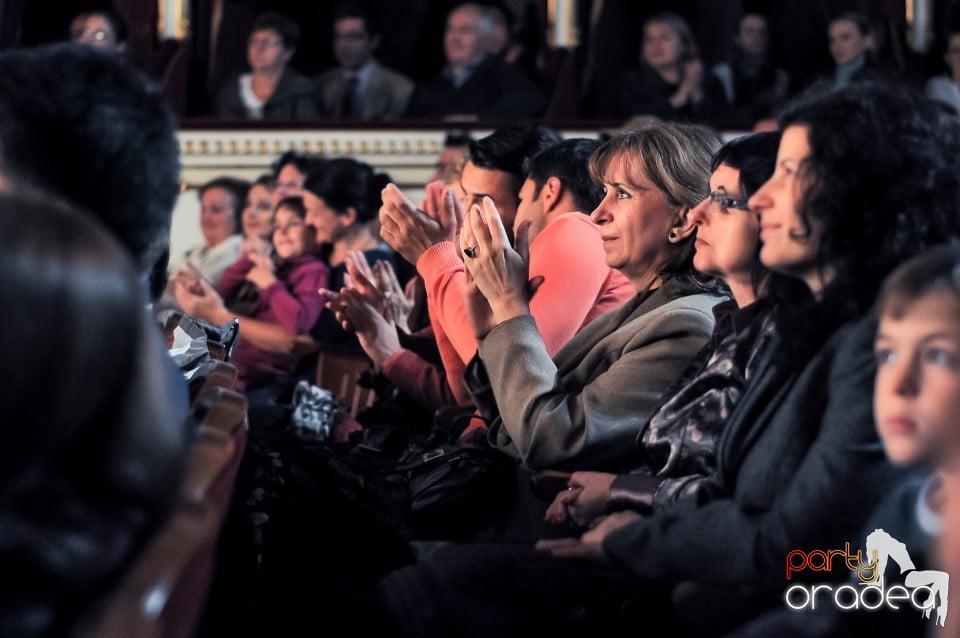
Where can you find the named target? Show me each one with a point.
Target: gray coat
(584, 408)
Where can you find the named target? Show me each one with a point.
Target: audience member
(853, 44)
(753, 85)
(279, 286)
(915, 400)
(474, 84)
(671, 81)
(221, 210)
(257, 215)
(270, 90)
(290, 171)
(102, 28)
(361, 88)
(495, 169)
(452, 157)
(676, 445)
(102, 137)
(546, 409)
(799, 461)
(575, 289)
(945, 88)
(94, 442)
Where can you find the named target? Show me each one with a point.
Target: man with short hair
(360, 87)
(530, 174)
(474, 84)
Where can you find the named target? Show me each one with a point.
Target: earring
(672, 236)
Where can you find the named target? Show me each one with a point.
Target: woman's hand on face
(499, 271)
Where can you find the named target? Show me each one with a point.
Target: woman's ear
(683, 226)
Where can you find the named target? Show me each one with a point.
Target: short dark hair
(359, 11)
(85, 125)
(863, 23)
(344, 182)
(568, 161)
(508, 147)
(936, 269)
(238, 191)
(287, 29)
(293, 203)
(303, 162)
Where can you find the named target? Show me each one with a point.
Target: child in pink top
(280, 287)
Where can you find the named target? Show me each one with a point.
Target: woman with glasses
(677, 443)
(270, 90)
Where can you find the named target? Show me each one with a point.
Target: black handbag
(458, 488)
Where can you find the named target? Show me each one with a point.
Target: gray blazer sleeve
(803, 476)
(584, 410)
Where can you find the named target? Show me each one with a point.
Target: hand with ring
(499, 271)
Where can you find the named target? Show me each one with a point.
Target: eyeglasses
(724, 201)
(91, 36)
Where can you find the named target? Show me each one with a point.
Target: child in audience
(916, 403)
(280, 287)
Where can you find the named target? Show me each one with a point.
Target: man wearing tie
(360, 87)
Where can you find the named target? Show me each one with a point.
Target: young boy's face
(917, 388)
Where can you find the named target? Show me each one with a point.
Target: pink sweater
(578, 286)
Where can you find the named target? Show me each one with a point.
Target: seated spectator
(277, 285)
(677, 444)
(576, 288)
(945, 88)
(453, 156)
(427, 242)
(799, 443)
(93, 443)
(853, 48)
(671, 82)
(101, 28)
(753, 85)
(361, 88)
(257, 215)
(289, 172)
(341, 197)
(545, 409)
(474, 84)
(271, 90)
(221, 210)
(916, 398)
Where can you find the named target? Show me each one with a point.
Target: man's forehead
(477, 180)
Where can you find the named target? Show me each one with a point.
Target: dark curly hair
(883, 180)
